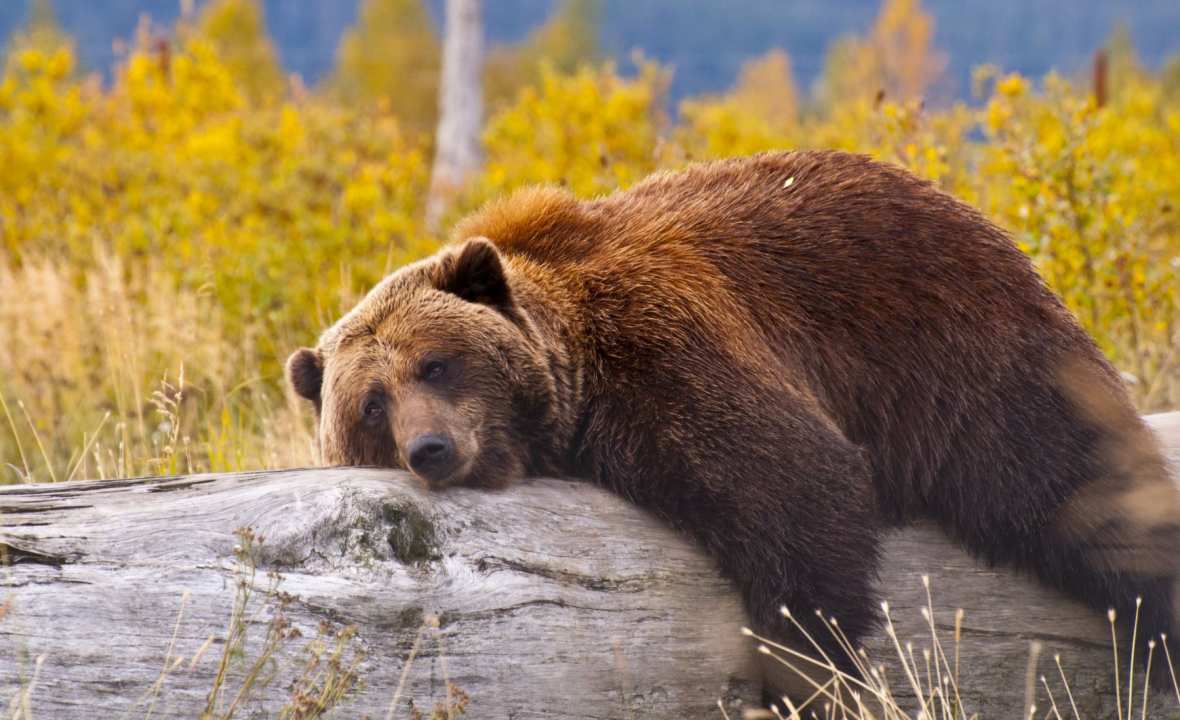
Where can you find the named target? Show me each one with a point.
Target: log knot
(412, 536)
(352, 528)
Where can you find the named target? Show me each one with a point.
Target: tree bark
(457, 151)
(553, 599)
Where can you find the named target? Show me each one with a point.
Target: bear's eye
(434, 370)
(374, 410)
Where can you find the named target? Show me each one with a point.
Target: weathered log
(553, 599)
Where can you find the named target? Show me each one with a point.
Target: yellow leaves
(724, 129)
(361, 195)
(291, 132)
(1001, 114)
(766, 89)
(60, 64)
(591, 131)
(1173, 123)
(896, 60)
(1086, 183)
(997, 117)
(30, 61)
(163, 96)
(235, 30)
(54, 65)
(1012, 86)
(219, 140)
(201, 84)
(390, 60)
(7, 91)
(200, 205)
(759, 114)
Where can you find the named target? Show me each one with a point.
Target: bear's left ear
(475, 274)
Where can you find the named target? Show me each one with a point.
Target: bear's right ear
(305, 372)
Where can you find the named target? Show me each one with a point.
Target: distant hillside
(705, 40)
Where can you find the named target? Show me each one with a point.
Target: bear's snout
(431, 456)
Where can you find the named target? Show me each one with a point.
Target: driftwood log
(551, 600)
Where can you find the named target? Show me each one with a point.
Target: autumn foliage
(167, 237)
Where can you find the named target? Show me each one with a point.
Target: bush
(219, 234)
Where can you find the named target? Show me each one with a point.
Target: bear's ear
(305, 372)
(475, 274)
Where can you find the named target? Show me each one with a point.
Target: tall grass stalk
(931, 674)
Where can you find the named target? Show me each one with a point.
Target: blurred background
(190, 190)
(706, 41)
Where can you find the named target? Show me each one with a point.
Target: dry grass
(20, 705)
(932, 675)
(330, 667)
(453, 705)
(117, 371)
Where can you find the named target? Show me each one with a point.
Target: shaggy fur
(781, 369)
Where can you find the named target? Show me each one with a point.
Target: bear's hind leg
(1083, 501)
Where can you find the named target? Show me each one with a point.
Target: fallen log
(135, 598)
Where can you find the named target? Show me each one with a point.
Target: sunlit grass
(931, 676)
(127, 373)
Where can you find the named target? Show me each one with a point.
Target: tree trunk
(553, 599)
(457, 152)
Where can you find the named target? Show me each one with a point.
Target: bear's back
(908, 315)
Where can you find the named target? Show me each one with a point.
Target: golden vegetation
(897, 59)
(390, 59)
(166, 239)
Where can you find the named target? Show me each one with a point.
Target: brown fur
(781, 369)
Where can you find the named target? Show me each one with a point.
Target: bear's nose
(430, 455)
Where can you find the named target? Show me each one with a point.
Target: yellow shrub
(276, 217)
(720, 129)
(1089, 193)
(931, 144)
(591, 131)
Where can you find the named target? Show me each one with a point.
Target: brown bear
(782, 355)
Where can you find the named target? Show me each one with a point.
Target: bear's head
(437, 370)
